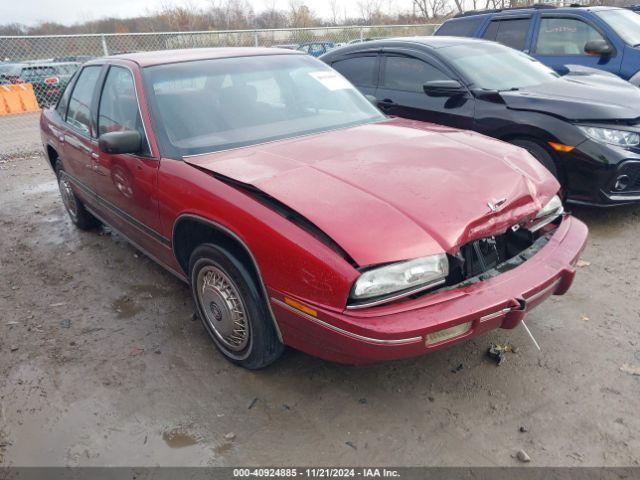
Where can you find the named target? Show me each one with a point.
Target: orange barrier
(18, 98)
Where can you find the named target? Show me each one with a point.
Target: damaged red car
(298, 213)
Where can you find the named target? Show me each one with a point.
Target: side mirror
(443, 88)
(598, 48)
(126, 141)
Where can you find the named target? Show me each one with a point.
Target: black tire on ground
(232, 309)
(78, 214)
(540, 153)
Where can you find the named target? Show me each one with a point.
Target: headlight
(553, 206)
(621, 138)
(406, 277)
(548, 213)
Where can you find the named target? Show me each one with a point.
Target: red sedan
(298, 213)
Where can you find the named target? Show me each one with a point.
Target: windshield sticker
(331, 80)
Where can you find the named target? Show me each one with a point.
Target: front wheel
(540, 153)
(232, 309)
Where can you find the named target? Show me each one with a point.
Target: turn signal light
(447, 333)
(561, 147)
(300, 306)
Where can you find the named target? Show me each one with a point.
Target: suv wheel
(78, 214)
(231, 308)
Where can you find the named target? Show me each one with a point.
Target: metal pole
(105, 50)
(255, 38)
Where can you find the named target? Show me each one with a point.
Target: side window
(360, 71)
(61, 108)
(460, 28)
(118, 109)
(409, 74)
(564, 36)
(512, 33)
(79, 111)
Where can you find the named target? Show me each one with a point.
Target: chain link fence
(45, 64)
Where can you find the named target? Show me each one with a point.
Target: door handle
(95, 156)
(387, 103)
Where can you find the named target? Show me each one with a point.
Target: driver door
(126, 183)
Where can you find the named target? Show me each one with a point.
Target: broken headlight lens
(408, 276)
(553, 206)
(548, 213)
(621, 138)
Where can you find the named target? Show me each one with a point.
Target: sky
(67, 12)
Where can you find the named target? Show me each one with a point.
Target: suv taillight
(51, 81)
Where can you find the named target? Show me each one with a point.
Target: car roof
(160, 57)
(532, 9)
(432, 42)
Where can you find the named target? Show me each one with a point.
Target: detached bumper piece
(493, 299)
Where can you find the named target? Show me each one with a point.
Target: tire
(78, 214)
(232, 309)
(540, 153)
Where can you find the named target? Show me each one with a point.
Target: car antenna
(530, 335)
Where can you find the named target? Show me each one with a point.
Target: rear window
(36, 72)
(512, 33)
(463, 27)
(361, 71)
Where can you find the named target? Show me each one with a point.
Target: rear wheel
(231, 308)
(78, 214)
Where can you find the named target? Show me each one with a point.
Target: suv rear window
(512, 33)
(463, 27)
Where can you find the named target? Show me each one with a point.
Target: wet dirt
(178, 439)
(110, 368)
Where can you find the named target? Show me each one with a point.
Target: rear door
(560, 40)
(400, 91)
(361, 69)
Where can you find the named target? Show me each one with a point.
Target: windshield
(496, 67)
(209, 105)
(625, 23)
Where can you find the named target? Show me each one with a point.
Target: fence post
(255, 38)
(105, 50)
(361, 33)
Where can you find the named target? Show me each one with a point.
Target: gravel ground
(101, 363)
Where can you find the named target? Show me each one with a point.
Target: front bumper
(399, 330)
(592, 170)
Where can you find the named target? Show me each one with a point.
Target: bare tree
(370, 10)
(430, 9)
(301, 16)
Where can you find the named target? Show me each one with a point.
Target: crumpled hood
(579, 96)
(394, 190)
